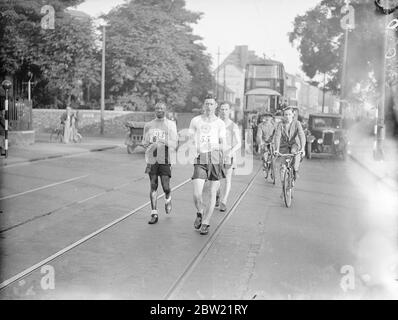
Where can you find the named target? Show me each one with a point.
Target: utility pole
(347, 23)
(343, 74)
(103, 81)
(378, 152)
(218, 65)
(323, 96)
(224, 86)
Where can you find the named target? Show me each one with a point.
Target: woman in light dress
(67, 120)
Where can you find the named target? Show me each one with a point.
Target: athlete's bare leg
(209, 209)
(153, 193)
(198, 185)
(227, 185)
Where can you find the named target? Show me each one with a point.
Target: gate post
(7, 86)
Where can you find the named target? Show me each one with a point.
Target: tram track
(181, 278)
(55, 157)
(72, 246)
(71, 204)
(11, 197)
(171, 287)
(184, 275)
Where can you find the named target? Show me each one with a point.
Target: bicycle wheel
(287, 188)
(272, 169)
(265, 170)
(78, 138)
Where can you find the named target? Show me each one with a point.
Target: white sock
(167, 200)
(154, 212)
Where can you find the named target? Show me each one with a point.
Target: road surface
(76, 228)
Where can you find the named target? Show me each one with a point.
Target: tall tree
(202, 80)
(60, 58)
(151, 50)
(319, 38)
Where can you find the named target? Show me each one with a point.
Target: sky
(261, 24)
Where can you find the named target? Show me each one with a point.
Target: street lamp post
(30, 75)
(103, 81)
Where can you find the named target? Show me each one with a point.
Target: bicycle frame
(269, 162)
(287, 179)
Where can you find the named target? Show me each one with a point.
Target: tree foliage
(320, 39)
(60, 58)
(152, 52)
(202, 80)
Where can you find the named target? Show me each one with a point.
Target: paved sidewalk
(361, 151)
(42, 149)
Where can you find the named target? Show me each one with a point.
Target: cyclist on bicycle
(290, 138)
(265, 136)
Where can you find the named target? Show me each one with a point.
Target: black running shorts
(212, 172)
(158, 169)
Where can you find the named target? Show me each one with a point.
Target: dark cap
(287, 108)
(210, 95)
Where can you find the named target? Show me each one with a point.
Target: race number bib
(158, 134)
(205, 134)
(204, 139)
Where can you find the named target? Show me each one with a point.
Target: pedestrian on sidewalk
(75, 135)
(66, 121)
(233, 145)
(160, 141)
(209, 135)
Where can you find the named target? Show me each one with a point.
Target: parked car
(325, 135)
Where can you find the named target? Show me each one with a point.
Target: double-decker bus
(265, 90)
(265, 86)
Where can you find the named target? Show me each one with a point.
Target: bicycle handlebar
(288, 154)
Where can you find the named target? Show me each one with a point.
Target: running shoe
(204, 229)
(198, 221)
(154, 219)
(223, 207)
